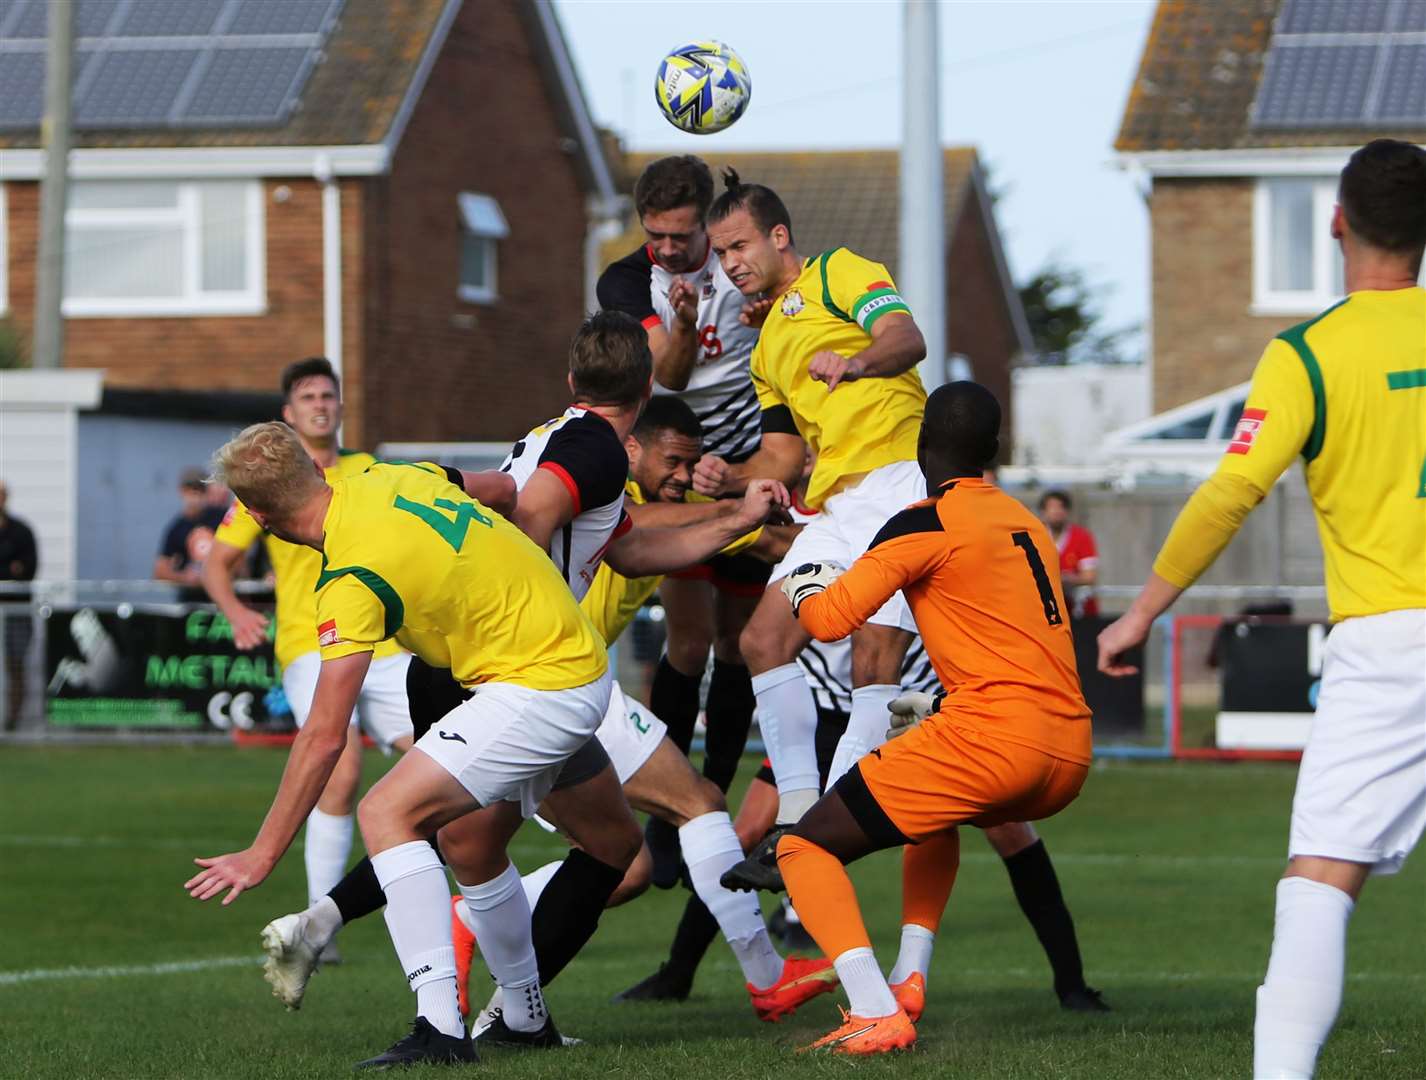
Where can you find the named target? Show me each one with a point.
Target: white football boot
(291, 957)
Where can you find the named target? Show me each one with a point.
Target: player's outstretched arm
(675, 350)
(309, 766)
(1132, 628)
(779, 457)
(543, 506)
(249, 626)
(896, 347)
(645, 552)
(491, 488)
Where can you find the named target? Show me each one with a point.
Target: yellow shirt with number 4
(295, 568)
(410, 555)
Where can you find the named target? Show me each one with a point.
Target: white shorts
(382, 709)
(1361, 790)
(849, 522)
(629, 734)
(508, 743)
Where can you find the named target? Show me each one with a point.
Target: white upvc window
(1297, 266)
(482, 227)
(164, 247)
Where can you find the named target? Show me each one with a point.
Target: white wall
(38, 457)
(1062, 413)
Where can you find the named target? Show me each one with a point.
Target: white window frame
(1268, 301)
(481, 217)
(250, 300)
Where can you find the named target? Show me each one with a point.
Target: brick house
(850, 198)
(407, 186)
(1241, 116)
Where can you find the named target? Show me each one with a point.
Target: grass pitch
(107, 968)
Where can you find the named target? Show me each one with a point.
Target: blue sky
(1038, 86)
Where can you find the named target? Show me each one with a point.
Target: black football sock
(696, 930)
(359, 893)
(568, 911)
(674, 699)
(730, 715)
(1032, 875)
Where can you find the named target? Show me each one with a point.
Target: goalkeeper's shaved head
(960, 433)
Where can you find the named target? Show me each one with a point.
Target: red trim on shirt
(651, 322)
(566, 479)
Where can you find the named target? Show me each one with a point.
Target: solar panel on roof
(246, 85)
(168, 63)
(133, 88)
(171, 18)
(1344, 64)
(22, 80)
(1333, 16)
(289, 17)
(1312, 85)
(1401, 99)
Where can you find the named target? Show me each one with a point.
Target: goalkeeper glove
(808, 580)
(910, 709)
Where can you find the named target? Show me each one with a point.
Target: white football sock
(787, 718)
(1300, 996)
(324, 919)
(416, 901)
(710, 848)
(866, 728)
(867, 993)
(325, 851)
(502, 926)
(915, 954)
(793, 919)
(536, 880)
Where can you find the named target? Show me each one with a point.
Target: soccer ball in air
(703, 87)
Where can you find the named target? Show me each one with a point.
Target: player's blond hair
(268, 468)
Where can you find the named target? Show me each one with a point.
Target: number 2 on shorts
(1042, 580)
(451, 531)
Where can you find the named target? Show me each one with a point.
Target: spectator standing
(1079, 555)
(18, 562)
(188, 536)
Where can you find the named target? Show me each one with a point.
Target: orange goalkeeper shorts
(941, 774)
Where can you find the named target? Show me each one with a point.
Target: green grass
(1169, 870)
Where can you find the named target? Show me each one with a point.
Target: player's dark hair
(609, 359)
(310, 368)
(961, 429)
(667, 413)
(1056, 493)
(761, 203)
(671, 182)
(1383, 195)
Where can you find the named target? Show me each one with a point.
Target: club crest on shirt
(792, 303)
(1247, 430)
(708, 287)
(327, 634)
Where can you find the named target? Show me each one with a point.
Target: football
(703, 87)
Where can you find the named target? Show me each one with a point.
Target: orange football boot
(868, 1035)
(464, 942)
(802, 980)
(911, 995)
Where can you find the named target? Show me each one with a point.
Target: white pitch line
(177, 967)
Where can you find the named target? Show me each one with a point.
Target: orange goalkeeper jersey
(982, 577)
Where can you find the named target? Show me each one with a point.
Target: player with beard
(701, 340)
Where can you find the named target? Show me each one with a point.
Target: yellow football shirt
(1347, 391)
(613, 600)
(295, 567)
(408, 554)
(861, 425)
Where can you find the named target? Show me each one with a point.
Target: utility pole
(922, 271)
(48, 350)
